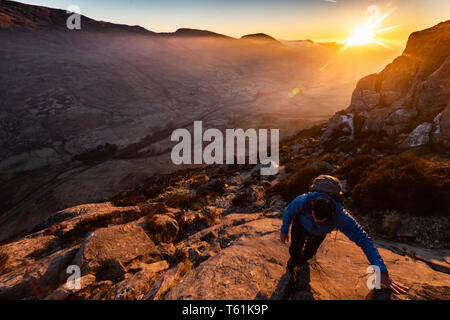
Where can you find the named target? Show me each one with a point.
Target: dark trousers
(303, 242)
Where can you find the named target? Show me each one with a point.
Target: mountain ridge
(15, 15)
(18, 16)
(406, 104)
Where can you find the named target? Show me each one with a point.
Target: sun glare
(361, 36)
(367, 33)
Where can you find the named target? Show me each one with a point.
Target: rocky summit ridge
(405, 105)
(201, 238)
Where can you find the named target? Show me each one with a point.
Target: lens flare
(361, 36)
(367, 33)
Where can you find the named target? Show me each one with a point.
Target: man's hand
(284, 238)
(396, 287)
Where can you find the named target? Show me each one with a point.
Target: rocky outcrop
(419, 136)
(123, 243)
(165, 227)
(37, 279)
(136, 285)
(65, 291)
(253, 267)
(441, 134)
(215, 252)
(404, 105)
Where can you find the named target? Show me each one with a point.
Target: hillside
(190, 231)
(16, 16)
(212, 232)
(261, 38)
(96, 107)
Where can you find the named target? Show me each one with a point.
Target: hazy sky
(283, 19)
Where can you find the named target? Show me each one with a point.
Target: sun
(367, 33)
(362, 35)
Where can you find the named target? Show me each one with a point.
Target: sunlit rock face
(420, 136)
(239, 257)
(441, 134)
(409, 98)
(365, 97)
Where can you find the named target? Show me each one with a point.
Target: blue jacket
(342, 220)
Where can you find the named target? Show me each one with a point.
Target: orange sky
(320, 20)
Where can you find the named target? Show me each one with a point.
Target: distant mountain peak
(187, 32)
(260, 37)
(20, 16)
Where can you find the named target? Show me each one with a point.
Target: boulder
(23, 251)
(339, 125)
(164, 283)
(240, 272)
(419, 136)
(164, 228)
(365, 97)
(440, 137)
(39, 279)
(65, 291)
(433, 94)
(123, 243)
(112, 270)
(167, 250)
(399, 121)
(135, 286)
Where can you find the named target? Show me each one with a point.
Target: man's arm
(348, 225)
(355, 233)
(291, 211)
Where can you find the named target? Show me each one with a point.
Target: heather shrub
(310, 132)
(295, 164)
(183, 201)
(332, 158)
(242, 199)
(216, 185)
(154, 191)
(154, 208)
(198, 181)
(129, 201)
(354, 169)
(249, 183)
(391, 223)
(83, 227)
(405, 183)
(3, 260)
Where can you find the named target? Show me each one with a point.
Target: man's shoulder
(302, 198)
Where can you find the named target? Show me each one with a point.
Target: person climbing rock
(315, 214)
